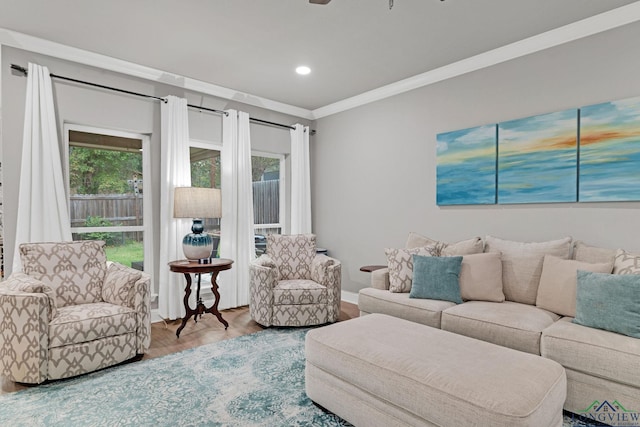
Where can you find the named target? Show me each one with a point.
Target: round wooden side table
(187, 267)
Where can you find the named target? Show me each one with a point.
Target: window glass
(266, 198)
(106, 193)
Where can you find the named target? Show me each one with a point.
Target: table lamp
(197, 203)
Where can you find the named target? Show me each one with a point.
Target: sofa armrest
(24, 335)
(380, 279)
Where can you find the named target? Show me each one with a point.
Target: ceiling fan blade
(319, 1)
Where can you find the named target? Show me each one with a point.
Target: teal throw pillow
(609, 301)
(436, 278)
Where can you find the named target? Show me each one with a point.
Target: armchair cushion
(119, 285)
(300, 291)
(76, 324)
(74, 270)
(292, 254)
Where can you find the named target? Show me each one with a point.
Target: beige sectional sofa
(522, 295)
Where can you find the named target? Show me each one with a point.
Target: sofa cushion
(522, 264)
(585, 253)
(436, 278)
(463, 247)
(609, 301)
(400, 262)
(592, 351)
(481, 277)
(299, 291)
(74, 270)
(557, 290)
(425, 311)
(508, 324)
(76, 324)
(626, 263)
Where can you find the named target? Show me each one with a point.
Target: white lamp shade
(194, 202)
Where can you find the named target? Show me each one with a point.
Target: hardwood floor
(207, 330)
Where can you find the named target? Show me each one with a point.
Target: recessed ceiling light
(303, 70)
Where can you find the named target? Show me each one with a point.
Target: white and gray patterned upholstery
(70, 312)
(292, 286)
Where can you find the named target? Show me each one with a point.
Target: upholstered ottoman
(379, 370)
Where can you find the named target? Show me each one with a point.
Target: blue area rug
(253, 380)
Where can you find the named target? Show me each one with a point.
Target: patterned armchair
(70, 312)
(292, 286)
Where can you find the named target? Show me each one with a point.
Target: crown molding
(596, 24)
(69, 53)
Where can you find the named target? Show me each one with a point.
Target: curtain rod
(259, 121)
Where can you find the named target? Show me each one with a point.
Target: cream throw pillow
(522, 265)
(558, 283)
(586, 253)
(481, 277)
(400, 262)
(463, 247)
(626, 263)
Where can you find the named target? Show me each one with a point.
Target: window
(106, 172)
(268, 196)
(268, 190)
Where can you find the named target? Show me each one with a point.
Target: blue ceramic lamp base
(197, 245)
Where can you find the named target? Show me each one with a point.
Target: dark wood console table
(187, 267)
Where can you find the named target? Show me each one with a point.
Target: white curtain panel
(236, 228)
(43, 210)
(300, 181)
(175, 172)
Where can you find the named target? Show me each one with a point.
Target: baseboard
(351, 297)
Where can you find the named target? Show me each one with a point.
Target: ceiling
(253, 46)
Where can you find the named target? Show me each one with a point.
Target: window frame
(147, 216)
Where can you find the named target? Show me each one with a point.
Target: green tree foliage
(260, 165)
(110, 239)
(203, 171)
(94, 171)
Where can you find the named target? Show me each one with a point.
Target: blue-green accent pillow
(609, 301)
(436, 278)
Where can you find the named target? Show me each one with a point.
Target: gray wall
(84, 105)
(373, 167)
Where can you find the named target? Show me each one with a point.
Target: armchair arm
(263, 277)
(131, 288)
(142, 306)
(265, 261)
(380, 279)
(24, 330)
(23, 283)
(328, 272)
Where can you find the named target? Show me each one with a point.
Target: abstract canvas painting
(466, 169)
(537, 159)
(610, 151)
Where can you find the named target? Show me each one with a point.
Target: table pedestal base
(200, 307)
